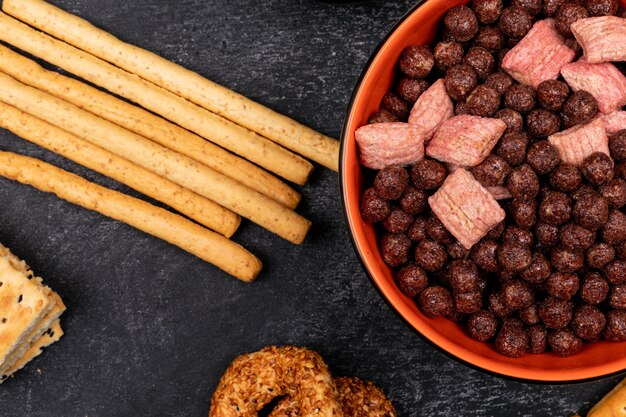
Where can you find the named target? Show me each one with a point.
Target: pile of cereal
(498, 165)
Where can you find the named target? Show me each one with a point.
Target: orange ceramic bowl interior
(420, 27)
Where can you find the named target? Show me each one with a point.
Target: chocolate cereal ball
(552, 94)
(513, 120)
(383, 116)
(487, 11)
(396, 105)
(411, 89)
(514, 257)
(463, 276)
(520, 97)
(460, 80)
(582, 190)
(615, 271)
(594, 288)
(512, 339)
(550, 7)
(576, 238)
(620, 170)
(615, 192)
(617, 144)
(564, 342)
(461, 23)
(602, 7)
(482, 326)
(500, 81)
(542, 123)
(597, 168)
(562, 285)
(512, 148)
(416, 61)
(468, 303)
(567, 14)
(374, 208)
(531, 6)
(588, 322)
(492, 171)
(617, 298)
(437, 231)
(523, 182)
(395, 249)
(398, 221)
(481, 60)
(614, 231)
(411, 280)
(555, 313)
(620, 250)
(517, 235)
(491, 38)
(580, 108)
(428, 174)
(523, 212)
(547, 234)
(566, 178)
(461, 108)
(565, 260)
(530, 315)
(457, 251)
(538, 271)
(543, 157)
(390, 182)
(484, 254)
(600, 254)
(448, 54)
(517, 294)
(436, 301)
(615, 329)
(555, 209)
(515, 22)
(537, 338)
(496, 231)
(591, 211)
(497, 305)
(484, 101)
(430, 255)
(417, 230)
(413, 201)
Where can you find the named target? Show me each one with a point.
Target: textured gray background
(150, 329)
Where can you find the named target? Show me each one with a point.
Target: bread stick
(233, 137)
(177, 168)
(59, 141)
(146, 124)
(613, 404)
(172, 228)
(177, 79)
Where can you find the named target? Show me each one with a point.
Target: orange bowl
(420, 26)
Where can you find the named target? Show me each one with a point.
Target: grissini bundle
(41, 133)
(146, 124)
(191, 237)
(177, 79)
(177, 168)
(158, 100)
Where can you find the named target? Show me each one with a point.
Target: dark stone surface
(150, 329)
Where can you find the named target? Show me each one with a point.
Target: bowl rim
(349, 224)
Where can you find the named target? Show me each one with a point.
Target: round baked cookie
(359, 399)
(253, 380)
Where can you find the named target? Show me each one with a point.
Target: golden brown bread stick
(177, 168)
(190, 204)
(172, 107)
(146, 124)
(177, 79)
(172, 228)
(613, 404)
